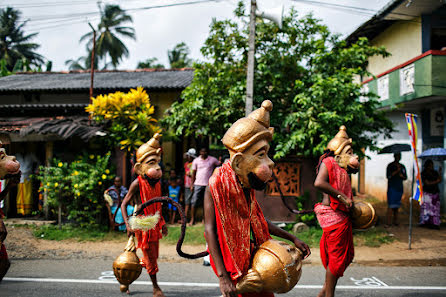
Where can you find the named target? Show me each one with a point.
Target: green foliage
(150, 63)
(109, 32)
(15, 45)
(178, 56)
(78, 187)
(69, 231)
(373, 237)
(305, 70)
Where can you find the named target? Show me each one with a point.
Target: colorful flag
(411, 120)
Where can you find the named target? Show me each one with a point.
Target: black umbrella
(395, 148)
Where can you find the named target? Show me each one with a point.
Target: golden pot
(276, 268)
(363, 215)
(126, 267)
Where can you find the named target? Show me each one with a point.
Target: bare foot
(158, 293)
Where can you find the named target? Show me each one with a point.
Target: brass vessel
(363, 215)
(276, 268)
(126, 267)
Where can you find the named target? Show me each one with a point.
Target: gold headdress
(248, 130)
(341, 140)
(151, 147)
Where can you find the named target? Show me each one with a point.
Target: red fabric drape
(339, 179)
(148, 192)
(235, 220)
(336, 247)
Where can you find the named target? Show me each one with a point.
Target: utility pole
(92, 67)
(251, 60)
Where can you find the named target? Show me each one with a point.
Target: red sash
(148, 192)
(235, 220)
(339, 179)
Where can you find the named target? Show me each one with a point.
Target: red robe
(336, 245)
(148, 192)
(235, 220)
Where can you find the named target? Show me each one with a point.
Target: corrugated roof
(104, 80)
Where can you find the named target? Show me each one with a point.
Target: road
(75, 278)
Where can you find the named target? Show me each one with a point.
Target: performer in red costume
(234, 222)
(333, 179)
(144, 188)
(9, 169)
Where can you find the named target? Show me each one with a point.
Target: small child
(176, 195)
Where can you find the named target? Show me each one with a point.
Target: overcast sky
(60, 23)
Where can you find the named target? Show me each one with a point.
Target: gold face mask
(148, 157)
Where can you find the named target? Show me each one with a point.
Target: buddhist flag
(411, 120)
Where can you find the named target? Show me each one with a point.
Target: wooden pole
(251, 59)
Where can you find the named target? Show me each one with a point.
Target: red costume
(235, 220)
(336, 246)
(148, 241)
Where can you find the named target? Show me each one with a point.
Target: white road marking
(209, 285)
(369, 282)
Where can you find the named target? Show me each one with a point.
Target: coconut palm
(178, 56)
(110, 29)
(15, 45)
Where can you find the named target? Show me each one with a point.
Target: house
(411, 80)
(44, 112)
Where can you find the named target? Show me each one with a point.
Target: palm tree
(109, 30)
(178, 56)
(14, 44)
(150, 63)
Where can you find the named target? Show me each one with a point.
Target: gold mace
(126, 267)
(276, 267)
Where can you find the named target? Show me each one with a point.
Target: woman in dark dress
(430, 209)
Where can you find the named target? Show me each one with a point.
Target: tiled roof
(104, 80)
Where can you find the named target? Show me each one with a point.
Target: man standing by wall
(396, 174)
(202, 168)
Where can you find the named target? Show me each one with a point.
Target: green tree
(305, 70)
(178, 56)
(150, 63)
(109, 31)
(15, 45)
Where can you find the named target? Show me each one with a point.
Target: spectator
(117, 192)
(396, 174)
(430, 209)
(175, 194)
(202, 168)
(190, 156)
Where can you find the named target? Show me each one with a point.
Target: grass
(373, 237)
(194, 235)
(52, 232)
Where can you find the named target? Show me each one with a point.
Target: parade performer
(336, 245)
(142, 189)
(232, 214)
(9, 169)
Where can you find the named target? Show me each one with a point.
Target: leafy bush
(78, 187)
(126, 116)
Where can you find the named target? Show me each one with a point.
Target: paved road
(70, 278)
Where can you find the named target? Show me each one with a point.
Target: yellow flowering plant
(128, 117)
(78, 187)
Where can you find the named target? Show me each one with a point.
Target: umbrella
(395, 148)
(438, 154)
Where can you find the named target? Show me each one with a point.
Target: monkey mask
(9, 166)
(247, 142)
(148, 157)
(341, 145)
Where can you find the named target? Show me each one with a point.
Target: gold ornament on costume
(249, 130)
(276, 268)
(151, 147)
(126, 267)
(340, 141)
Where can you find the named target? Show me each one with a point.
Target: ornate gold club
(126, 267)
(363, 215)
(276, 268)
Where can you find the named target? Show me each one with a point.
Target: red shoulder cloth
(235, 219)
(339, 179)
(148, 192)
